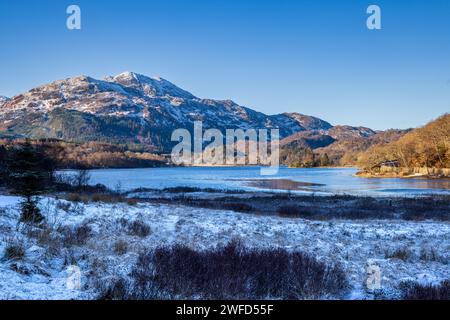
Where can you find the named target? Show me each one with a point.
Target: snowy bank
(402, 250)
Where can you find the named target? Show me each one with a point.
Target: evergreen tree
(29, 173)
(3, 175)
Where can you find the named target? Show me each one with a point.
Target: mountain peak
(309, 122)
(151, 86)
(137, 76)
(3, 99)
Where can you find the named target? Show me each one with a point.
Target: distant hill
(428, 146)
(345, 151)
(337, 146)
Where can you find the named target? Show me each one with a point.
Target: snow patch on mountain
(309, 122)
(150, 87)
(3, 100)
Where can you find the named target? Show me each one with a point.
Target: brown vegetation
(91, 154)
(428, 146)
(316, 150)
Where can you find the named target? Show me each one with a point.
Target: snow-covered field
(42, 273)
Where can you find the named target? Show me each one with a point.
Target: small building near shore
(391, 163)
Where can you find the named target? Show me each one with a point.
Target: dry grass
(104, 197)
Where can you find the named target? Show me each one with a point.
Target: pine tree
(29, 174)
(3, 175)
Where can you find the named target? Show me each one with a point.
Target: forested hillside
(428, 146)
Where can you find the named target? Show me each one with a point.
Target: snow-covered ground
(42, 273)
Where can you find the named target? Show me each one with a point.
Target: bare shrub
(415, 291)
(114, 289)
(82, 178)
(14, 249)
(233, 272)
(431, 254)
(403, 254)
(64, 206)
(120, 247)
(137, 228)
(50, 239)
(76, 235)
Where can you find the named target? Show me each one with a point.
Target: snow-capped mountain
(348, 132)
(3, 100)
(131, 108)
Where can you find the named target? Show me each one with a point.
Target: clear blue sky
(314, 57)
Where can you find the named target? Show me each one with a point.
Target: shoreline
(400, 175)
(311, 207)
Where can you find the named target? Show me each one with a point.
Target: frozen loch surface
(42, 273)
(315, 180)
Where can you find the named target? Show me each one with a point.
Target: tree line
(91, 155)
(428, 146)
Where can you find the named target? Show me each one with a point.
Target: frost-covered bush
(14, 249)
(231, 272)
(120, 247)
(403, 254)
(416, 291)
(76, 235)
(136, 228)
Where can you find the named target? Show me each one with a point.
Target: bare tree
(82, 178)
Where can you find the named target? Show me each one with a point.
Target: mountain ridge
(132, 108)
